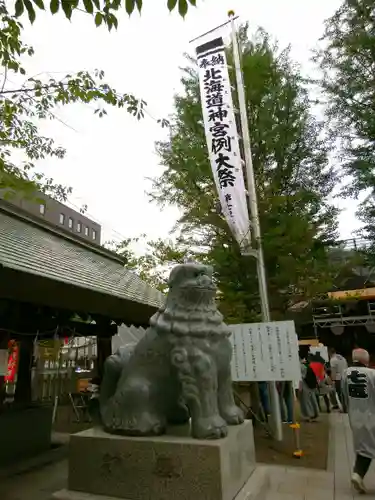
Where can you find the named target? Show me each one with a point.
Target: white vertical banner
(222, 138)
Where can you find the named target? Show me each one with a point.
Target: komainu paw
(232, 415)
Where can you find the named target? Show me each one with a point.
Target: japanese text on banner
(222, 137)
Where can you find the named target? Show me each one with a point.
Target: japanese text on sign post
(222, 137)
(265, 352)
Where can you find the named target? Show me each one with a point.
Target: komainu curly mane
(179, 370)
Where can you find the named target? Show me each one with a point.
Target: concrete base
(174, 467)
(254, 489)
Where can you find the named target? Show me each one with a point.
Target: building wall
(58, 214)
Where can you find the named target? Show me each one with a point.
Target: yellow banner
(312, 342)
(353, 294)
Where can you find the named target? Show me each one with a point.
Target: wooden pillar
(22, 396)
(104, 349)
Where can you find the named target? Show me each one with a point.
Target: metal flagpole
(254, 218)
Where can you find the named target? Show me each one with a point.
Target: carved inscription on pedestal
(167, 466)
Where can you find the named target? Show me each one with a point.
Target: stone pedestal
(173, 466)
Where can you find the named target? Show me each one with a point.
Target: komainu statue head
(190, 308)
(192, 277)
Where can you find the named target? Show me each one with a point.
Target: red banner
(12, 361)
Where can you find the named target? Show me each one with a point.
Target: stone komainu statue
(179, 369)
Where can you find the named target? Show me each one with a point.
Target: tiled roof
(32, 249)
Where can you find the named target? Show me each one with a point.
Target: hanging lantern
(370, 327)
(337, 329)
(12, 361)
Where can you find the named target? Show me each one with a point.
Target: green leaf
(171, 4)
(19, 8)
(193, 3)
(114, 20)
(347, 63)
(54, 6)
(97, 4)
(182, 7)
(129, 6)
(89, 8)
(30, 10)
(139, 5)
(67, 8)
(98, 19)
(39, 3)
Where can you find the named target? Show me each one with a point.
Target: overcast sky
(108, 160)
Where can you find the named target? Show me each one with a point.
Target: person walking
(338, 366)
(285, 390)
(332, 393)
(358, 386)
(325, 389)
(307, 391)
(264, 399)
(324, 383)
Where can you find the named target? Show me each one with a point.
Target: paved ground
(287, 483)
(41, 480)
(314, 438)
(37, 484)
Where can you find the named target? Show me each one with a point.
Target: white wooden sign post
(265, 352)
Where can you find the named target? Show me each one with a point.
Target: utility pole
(254, 219)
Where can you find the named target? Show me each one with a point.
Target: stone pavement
(58, 452)
(45, 474)
(287, 483)
(37, 484)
